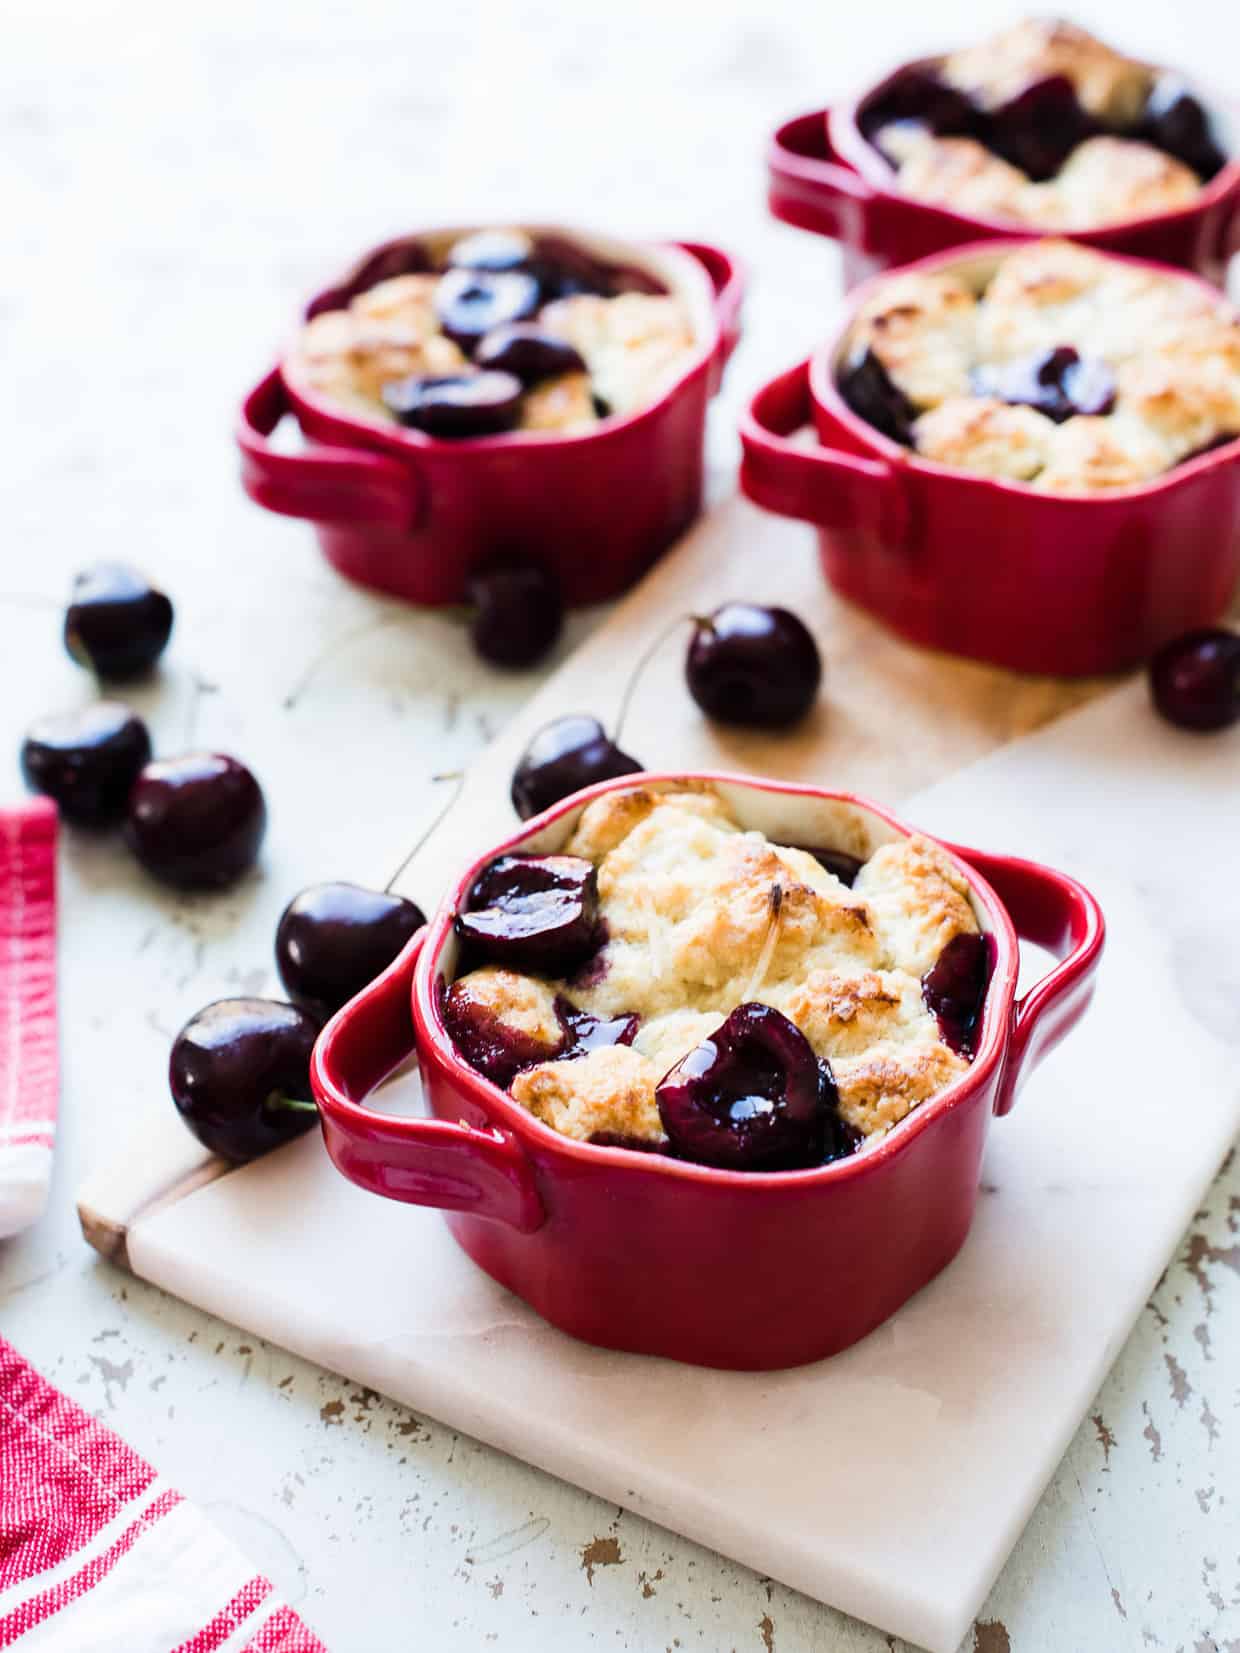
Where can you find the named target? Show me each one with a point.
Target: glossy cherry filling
(1059, 383)
(872, 394)
(535, 913)
(1038, 128)
(954, 989)
(469, 303)
(500, 1051)
(456, 405)
(752, 1097)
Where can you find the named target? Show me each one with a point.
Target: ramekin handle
(813, 483)
(729, 278)
(810, 187)
(322, 483)
(437, 1162)
(1053, 911)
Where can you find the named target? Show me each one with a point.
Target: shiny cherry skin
(1040, 127)
(752, 1097)
(563, 757)
(196, 821)
(754, 666)
(528, 352)
(1058, 383)
(492, 250)
(455, 406)
(117, 624)
(1195, 680)
(499, 1051)
(954, 989)
(533, 913)
(240, 1075)
(87, 761)
(471, 303)
(333, 939)
(1176, 121)
(918, 96)
(873, 395)
(839, 863)
(518, 613)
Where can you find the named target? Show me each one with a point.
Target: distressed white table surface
(173, 178)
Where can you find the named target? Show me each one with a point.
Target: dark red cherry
(87, 760)
(518, 613)
(196, 821)
(1040, 127)
(754, 666)
(954, 989)
(845, 867)
(563, 757)
(492, 250)
(564, 269)
(456, 405)
(334, 939)
(1195, 680)
(584, 1032)
(533, 912)
(918, 95)
(749, 1098)
(492, 1047)
(116, 624)
(840, 1138)
(240, 1075)
(1177, 122)
(528, 352)
(471, 303)
(870, 392)
(1059, 383)
(618, 1139)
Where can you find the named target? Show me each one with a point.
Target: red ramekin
(1070, 584)
(414, 516)
(824, 175)
(749, 1271)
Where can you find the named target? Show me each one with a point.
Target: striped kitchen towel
(98, 1555)
(29, 1060)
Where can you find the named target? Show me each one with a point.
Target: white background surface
(174, 179)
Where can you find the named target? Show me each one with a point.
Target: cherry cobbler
(1045, 125)
(671, 982)
(497, 331)
(1061, 367)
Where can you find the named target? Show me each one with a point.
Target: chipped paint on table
(177, 178)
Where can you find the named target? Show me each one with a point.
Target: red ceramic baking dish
(413, 515)
(1069, 584)
(824, 175)
(650, 1254)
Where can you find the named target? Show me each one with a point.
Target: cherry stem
(337, 646)
(457, 775)
(277, 1101)
(643, 660)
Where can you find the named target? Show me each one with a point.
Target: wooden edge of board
(163, 1169)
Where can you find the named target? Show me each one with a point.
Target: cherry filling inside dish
(494, 332)
(1044, 124)
(1055, 366)
(673, 983)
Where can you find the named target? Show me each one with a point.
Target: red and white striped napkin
(29, 1059)
(98, 1554)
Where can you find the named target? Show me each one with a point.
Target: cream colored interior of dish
(678, 271)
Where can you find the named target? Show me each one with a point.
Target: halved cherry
(954, 989)
(752, 1097)
(456, 405)
(533, 912)
(469, 303)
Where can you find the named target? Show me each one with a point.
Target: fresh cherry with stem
(334, 938)
(239, 1073)
(117, 624)
(1195, 680)
(754, 666)
(87, 760)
